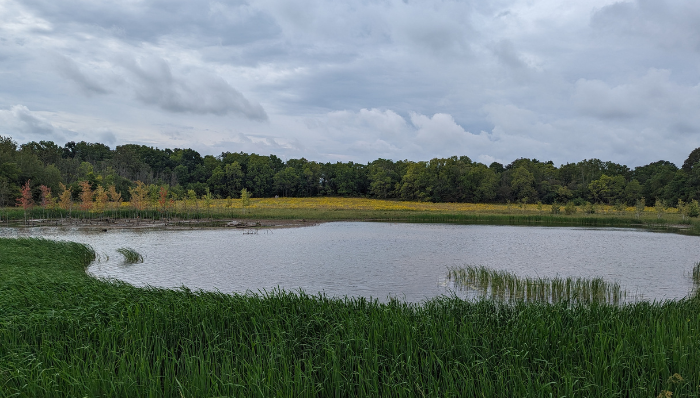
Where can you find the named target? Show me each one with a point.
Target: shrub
(693, 209)
(570, 208)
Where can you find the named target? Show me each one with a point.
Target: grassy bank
(361, 209)
(63, 333)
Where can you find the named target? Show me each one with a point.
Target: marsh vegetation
(131, 256)
(483, 282)
(212, 212)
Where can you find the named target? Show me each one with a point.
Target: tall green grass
(484, 282)
(66, 334)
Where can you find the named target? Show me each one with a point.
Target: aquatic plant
(696, 274)
(131, 256)
(506, 286)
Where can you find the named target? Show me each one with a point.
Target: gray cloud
(664, 23)
(199, 92)
(70, 70)
(356, 80)
(223, 23)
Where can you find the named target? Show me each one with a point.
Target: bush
(693, 209)
(570, 208)
(590, 208)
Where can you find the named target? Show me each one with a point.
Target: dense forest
(185, 172)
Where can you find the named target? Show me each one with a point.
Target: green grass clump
(505, 286)
(66, 334)
(131, 256)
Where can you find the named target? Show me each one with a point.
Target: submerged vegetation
(505, 286)
(131, 256)
(67, 334)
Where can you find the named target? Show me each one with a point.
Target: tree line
(80, 168)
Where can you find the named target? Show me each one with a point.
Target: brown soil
(136, 223)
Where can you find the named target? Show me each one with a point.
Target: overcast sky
(358, 80)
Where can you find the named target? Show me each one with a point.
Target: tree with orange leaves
(101, 197)
(26, 200)
(138, 195)
(66, 198)
(115, 196)
(85, 196)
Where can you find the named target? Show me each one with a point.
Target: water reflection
(408, 261)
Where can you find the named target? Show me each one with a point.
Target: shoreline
(256, 223)
(174, 224)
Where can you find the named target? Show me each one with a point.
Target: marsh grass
(695, 276)
(361, 209)
(64, 333)
(131, 256)
(484, 282)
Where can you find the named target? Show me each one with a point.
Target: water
(378, 260)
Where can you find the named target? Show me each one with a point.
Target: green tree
(521, 183)
(383, 177)
(245, 198)
(633, 192)
(416, 183)
(260, 176)
(286, 181)
(693, 209)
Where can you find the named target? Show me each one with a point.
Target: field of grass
(362, 209)
(64, 333)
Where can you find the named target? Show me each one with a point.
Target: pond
(378, 260)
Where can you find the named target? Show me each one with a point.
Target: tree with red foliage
(163, 201)
(26, 200)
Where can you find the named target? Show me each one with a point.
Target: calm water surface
(378, 260)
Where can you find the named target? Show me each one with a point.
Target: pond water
(378, 260)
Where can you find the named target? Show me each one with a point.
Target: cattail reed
(131, 256)
(505, 286)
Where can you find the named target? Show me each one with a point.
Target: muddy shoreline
(105, 224)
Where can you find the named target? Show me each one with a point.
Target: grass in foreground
(63, 333)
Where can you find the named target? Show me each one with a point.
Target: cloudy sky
(358, 80)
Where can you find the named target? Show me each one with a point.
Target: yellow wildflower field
(364, 204)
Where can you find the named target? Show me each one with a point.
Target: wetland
(406, 261)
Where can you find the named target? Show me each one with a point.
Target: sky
(358, 80)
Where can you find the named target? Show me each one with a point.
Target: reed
(501, 286)
(696, 274)
(64, 333)
(131, 256)
(354, 209)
